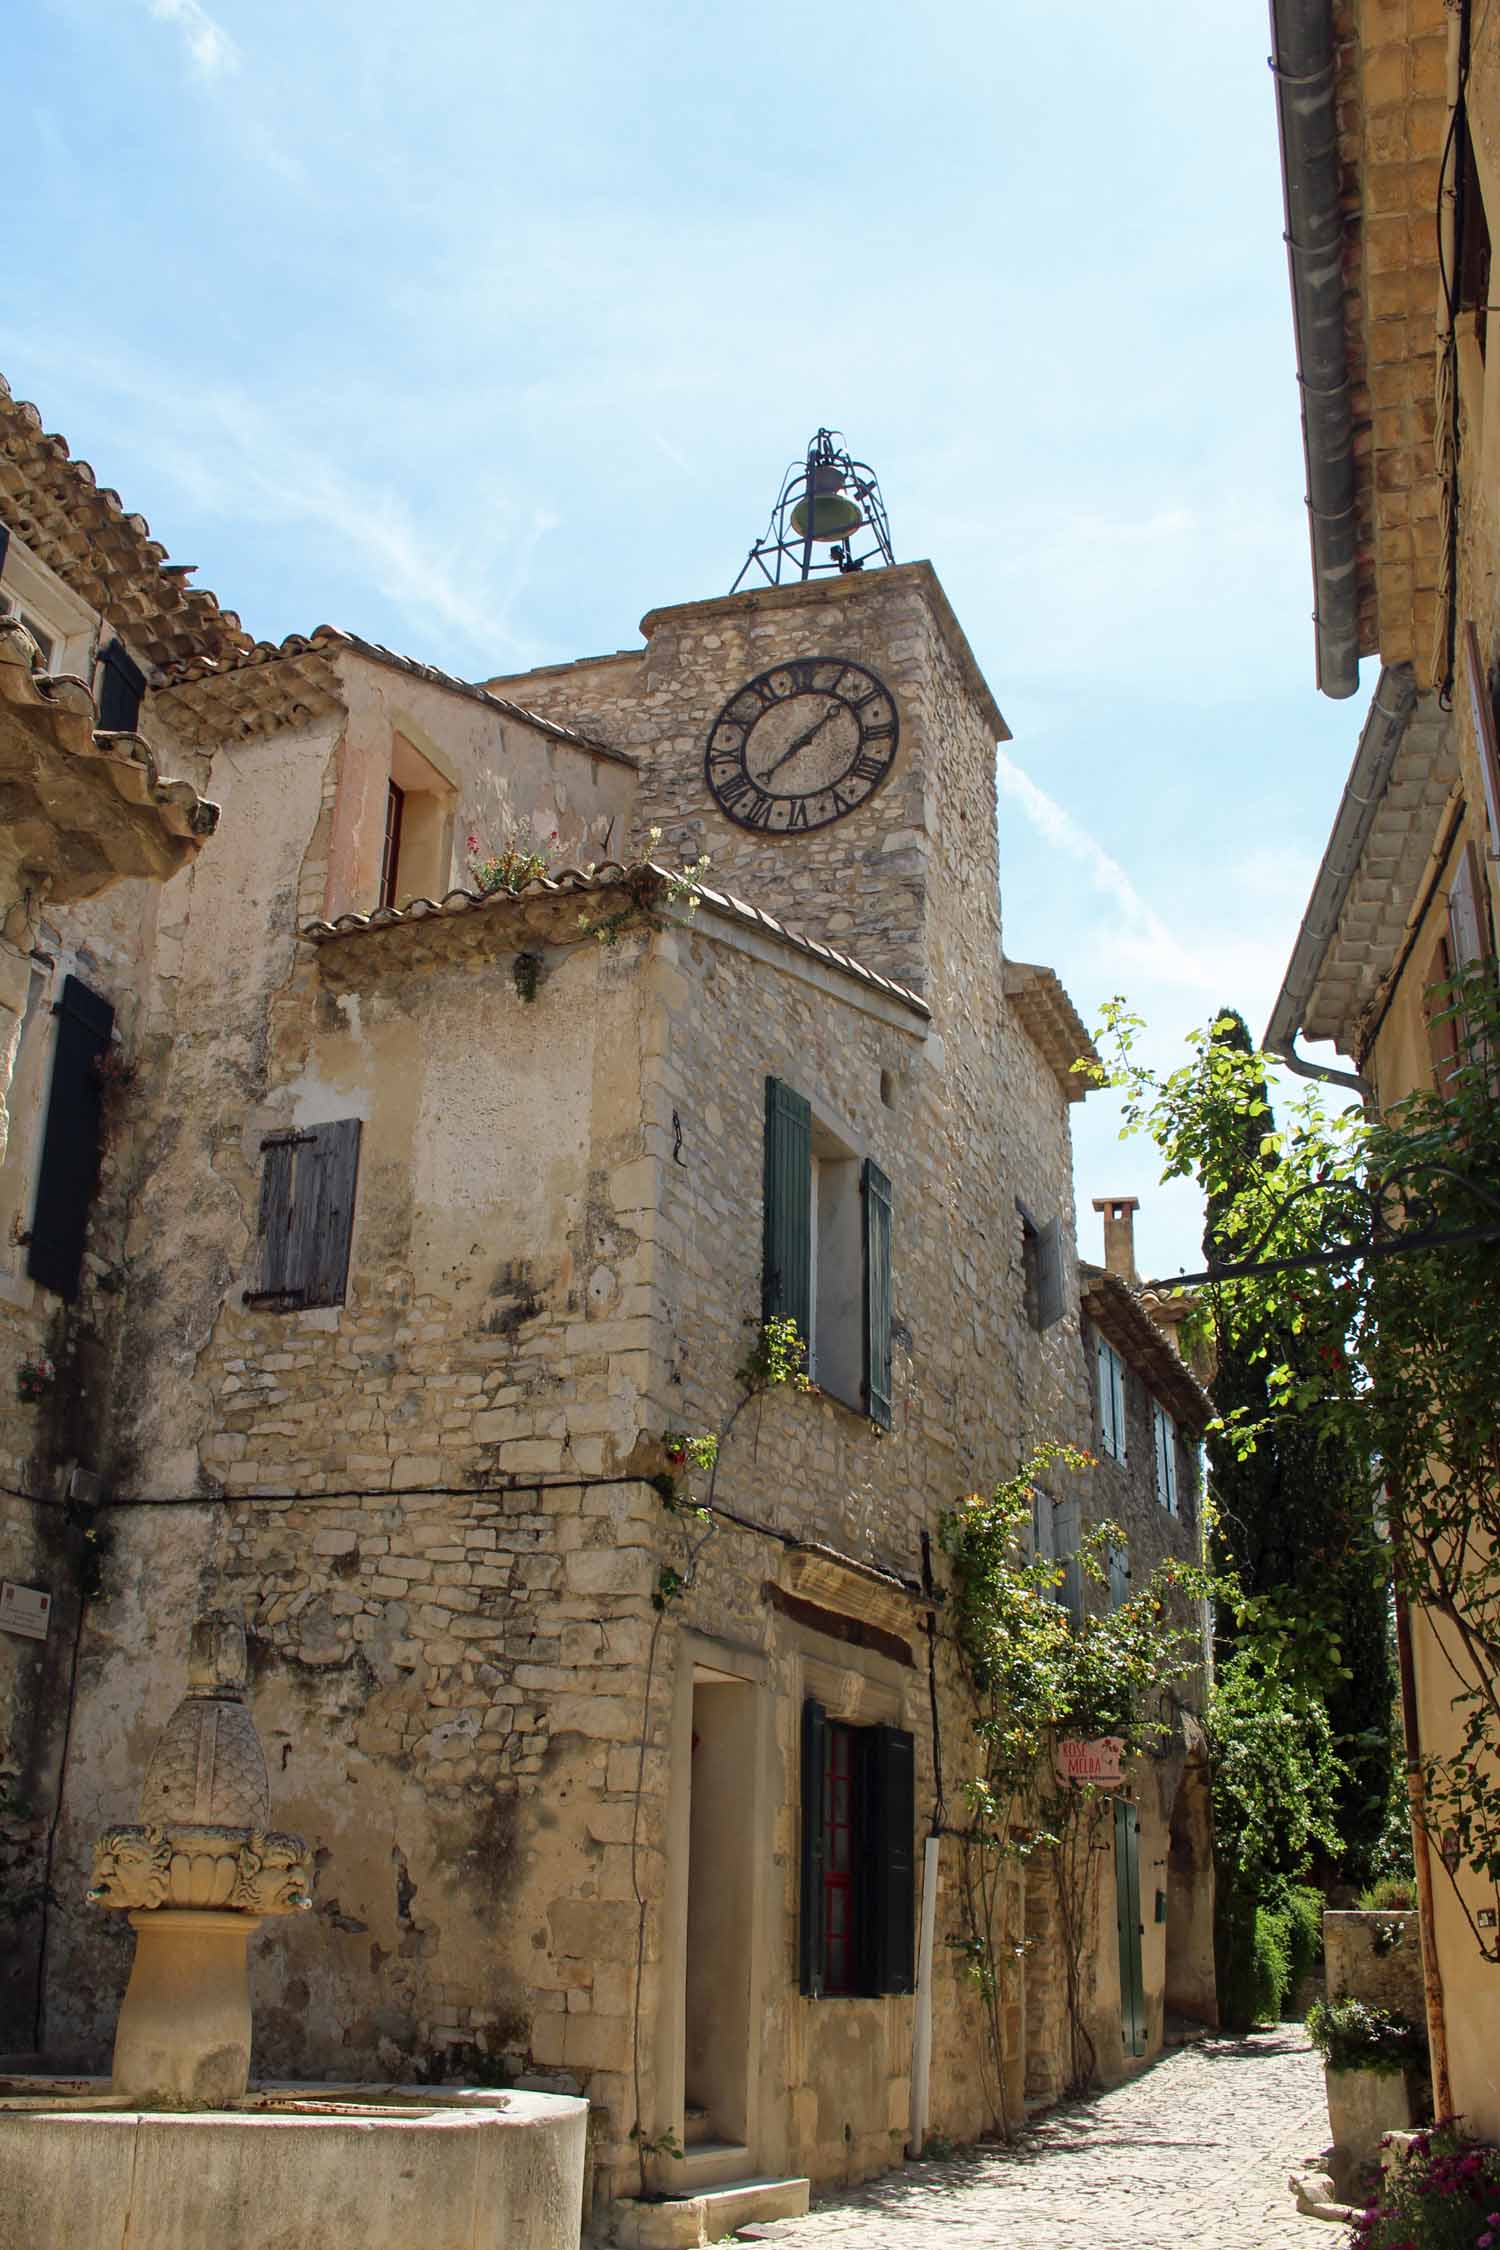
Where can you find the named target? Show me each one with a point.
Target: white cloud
(212, 50)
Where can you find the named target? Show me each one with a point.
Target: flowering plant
(34, 1379)
(1445, 2196)
(522, 861)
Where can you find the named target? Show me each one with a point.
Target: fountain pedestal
(183, 2038)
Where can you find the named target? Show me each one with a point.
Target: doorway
(720, 1915)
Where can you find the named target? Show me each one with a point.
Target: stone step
(688, 2221)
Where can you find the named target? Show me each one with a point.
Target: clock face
(801, 745)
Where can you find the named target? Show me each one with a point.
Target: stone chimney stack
(1119, 1235)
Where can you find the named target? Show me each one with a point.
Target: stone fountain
(178, 2149)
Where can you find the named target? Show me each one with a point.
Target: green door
(1128, 1918)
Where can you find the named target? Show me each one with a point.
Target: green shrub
(1351, 2035)
(1392, 1893)
(1273, 1963)
(1304, 1916)
(1255, 1959)
(1446, 2196)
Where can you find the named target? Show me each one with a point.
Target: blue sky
(483, 329)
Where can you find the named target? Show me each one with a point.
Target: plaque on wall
(25, 1610)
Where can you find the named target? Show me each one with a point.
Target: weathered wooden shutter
(786, 1273)
(877, 1382)
(889, 1905)
(1051, 1274)
(70, 1142)
(122, 683)
(810, 1944)
(1486, 742)
(1067, 1532)
(307, 1214)
(1128, 1927)
(1437, 1006)
(1119, 1577)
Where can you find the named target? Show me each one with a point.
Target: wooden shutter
(876, 1189)
(814, 1826)
(786, 1274)
(307, 1214)
(889, 1904)
(1482, 709)
(4, 542)
(1119, 1577)
(70, 1141)
(1468, 912)
(1067, 1533)
(1051, 1275)
(1437, 1006)
(1128, 1927)
(122, 683)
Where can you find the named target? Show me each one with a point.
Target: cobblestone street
(1196, 2151)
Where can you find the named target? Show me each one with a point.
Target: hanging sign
(25, 1610)
(1075, 1760)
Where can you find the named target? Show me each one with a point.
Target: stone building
(1390, 124)
(448, 1197)
(90, 613)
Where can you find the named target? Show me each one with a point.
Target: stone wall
(1376, 1958)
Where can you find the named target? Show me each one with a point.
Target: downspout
(1302, 63)
(1432, 1975)
(1379, 746)
(921, 2028)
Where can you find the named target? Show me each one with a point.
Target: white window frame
(1111, 1400)
(30, 590)
(1164, 1446)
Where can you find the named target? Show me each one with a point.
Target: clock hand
(802, 740)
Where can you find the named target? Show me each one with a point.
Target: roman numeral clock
(801, 746)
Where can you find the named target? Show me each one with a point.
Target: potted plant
(1370, 2056)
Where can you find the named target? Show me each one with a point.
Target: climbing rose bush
(1445, 2197)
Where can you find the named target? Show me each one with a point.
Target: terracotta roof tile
(1119, 1314)
(1053, 1024)
(82, 530)
(609, 875)
(222, 684)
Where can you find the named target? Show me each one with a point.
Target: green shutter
(71, 1140)
(1128, 1927)
(814, 1827)
(786, 1274)
(877, 1195)
(888, 1906)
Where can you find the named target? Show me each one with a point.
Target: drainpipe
(1379, 746)
(1432, 1975)
(1302, 63)
(921, 2028)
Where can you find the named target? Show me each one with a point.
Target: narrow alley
(1193, 2152)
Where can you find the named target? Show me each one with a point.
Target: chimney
(1119, 1235)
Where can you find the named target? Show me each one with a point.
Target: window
(395, 802)
(1111, 1401)
(62, 625)
(827, 1252)
(306, 1216)
(1043, 1270)
(1164, 1447)
(70, 1141)
(1056, 1528)
(858, 1903)
(1119, 1577)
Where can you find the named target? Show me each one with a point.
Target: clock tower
(830, 744)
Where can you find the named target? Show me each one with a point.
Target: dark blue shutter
(877, 1385)
(889, 1904)
(810, 1947)
(4, 542)
(70, 1141)
(786, 1282)
(122, 683)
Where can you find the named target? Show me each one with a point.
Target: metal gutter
(1379, 746)
(1302, 63)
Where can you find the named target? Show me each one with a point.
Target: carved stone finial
(216, 1657)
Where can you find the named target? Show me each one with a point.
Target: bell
(833, 515)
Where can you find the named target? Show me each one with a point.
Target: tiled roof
(610, 875)
(62, 710)
(1053, 1024)
(81, 530)
(275, 683)
(1118, 1313)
